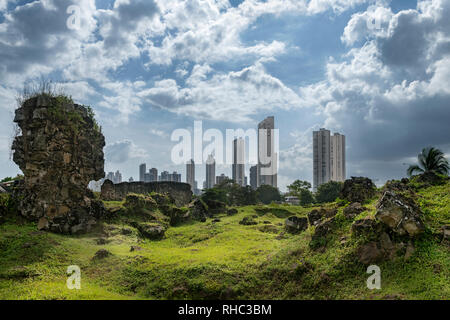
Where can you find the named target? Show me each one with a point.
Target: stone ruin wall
(181, 192)
(59, 151)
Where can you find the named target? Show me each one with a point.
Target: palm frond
(413, 169)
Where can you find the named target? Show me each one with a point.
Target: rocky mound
(59, 152)
(398, 222)
(398, 210)
(358, 189)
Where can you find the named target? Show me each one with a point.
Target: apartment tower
(238, 167)
(210, 172)
(190, 174)
(267, 158)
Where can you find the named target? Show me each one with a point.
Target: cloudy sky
(376, 71)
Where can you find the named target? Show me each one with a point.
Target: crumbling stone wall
(180, 192)
(59, 152)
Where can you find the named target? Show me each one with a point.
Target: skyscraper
(329, 157)
(210, 172)
(110, 176)
(153, 175)
(267, 157)
(142, 171)
(164, 176)
(238, 166)
(190, 173)
(117, 177)
(338, 157)
(321, 157)
(175, 177)
(253, 177)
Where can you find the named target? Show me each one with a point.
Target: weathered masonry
(181, 192)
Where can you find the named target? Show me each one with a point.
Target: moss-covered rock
(358, 189)
(148, 230)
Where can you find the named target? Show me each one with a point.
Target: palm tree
(430, 160)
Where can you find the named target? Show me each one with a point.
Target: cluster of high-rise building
(328, 157)
(114, 177)
(152, 175)
(265, 172)
(328, 163)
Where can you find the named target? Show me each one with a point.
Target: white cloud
(158, 133)
(390, 96)
(122, 151)
(241, 93)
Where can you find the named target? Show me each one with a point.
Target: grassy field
(221, 260)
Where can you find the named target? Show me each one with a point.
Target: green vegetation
(301, 189)
(268, 194)
(222, 259)
(328, 192)
(48, 89)
(430, 160)
(232, 194)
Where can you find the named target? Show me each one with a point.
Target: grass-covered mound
(222, 258)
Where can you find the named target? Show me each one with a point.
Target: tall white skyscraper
(210, 172)
(190, 174)
(328, 157)
(117, 177)
(267, 157)
(238, 167)
(321, 157)
(338, 157)
(142, 172)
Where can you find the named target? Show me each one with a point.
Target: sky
(376, 71)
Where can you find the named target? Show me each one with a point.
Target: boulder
(316, 215)
(400, 213)
(198, 210)
(175, 214)
(232, 211)
(358, 189)
(152, 231)
(101, 254)
(248, 221)
(138, 203)
(216, 207)
(295, 224)
(324, 228)
(370, 253)
(353, 209)
(365, 226)
(321, 233)
(430, 178)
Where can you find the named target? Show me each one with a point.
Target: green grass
(221, 260)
